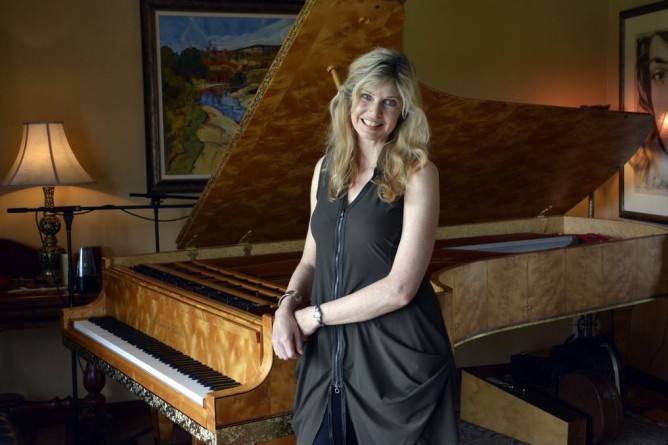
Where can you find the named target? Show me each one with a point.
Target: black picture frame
(160, 179)
(641, 198)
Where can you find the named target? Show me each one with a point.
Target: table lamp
(46, 159)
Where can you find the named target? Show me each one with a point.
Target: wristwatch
(317, 315)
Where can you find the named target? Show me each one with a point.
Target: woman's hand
(286, 337)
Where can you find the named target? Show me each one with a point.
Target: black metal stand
(68, 217)
(156, 203)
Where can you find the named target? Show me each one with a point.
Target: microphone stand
(68, 217)
(156, 203)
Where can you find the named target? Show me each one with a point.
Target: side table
(28, 305)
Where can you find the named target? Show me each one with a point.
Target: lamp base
(49, 254)
(49, 263)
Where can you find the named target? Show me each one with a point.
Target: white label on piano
(522, 246)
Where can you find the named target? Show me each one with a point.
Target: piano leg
(93, 381)
(163, 428)
(93, 419)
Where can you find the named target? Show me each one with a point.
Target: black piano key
(203, 374)
(223, 385)
(181, 362)
(222, 381)
(214, 381)
(205, 379)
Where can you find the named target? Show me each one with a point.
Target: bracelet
(291, 293)
(317, 315)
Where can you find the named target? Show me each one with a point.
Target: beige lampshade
(45, 158)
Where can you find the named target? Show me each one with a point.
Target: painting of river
(210, 66)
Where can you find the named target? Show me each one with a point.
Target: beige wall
(553, 52)
(79, 61)
(543, 52)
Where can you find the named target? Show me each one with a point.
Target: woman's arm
(286, 336)
(397, 289)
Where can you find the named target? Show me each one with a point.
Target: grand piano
(508, 172)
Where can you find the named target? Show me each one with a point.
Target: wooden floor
(650, 400)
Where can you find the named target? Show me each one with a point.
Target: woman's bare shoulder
(425, 174)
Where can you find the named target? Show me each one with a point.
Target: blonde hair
(406, 149)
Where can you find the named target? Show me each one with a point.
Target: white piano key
(190, 388)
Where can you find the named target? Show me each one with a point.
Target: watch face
(317, 315)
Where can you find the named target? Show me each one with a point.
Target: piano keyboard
(185, 374)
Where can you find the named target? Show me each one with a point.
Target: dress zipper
(337, 281)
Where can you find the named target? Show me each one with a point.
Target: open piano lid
(497, 160)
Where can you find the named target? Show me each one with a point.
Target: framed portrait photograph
(643, 50)
(202, 61)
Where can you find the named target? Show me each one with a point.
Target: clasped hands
(290, 331)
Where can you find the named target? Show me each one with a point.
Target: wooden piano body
(483, 293)
(232, 341)
(506, 168)
(487, 295)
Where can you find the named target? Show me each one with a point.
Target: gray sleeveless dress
(396, 373)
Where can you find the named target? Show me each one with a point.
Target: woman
(650, 163)
(375, 364)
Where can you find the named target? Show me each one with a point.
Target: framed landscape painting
(643, 50)
(203, 61)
